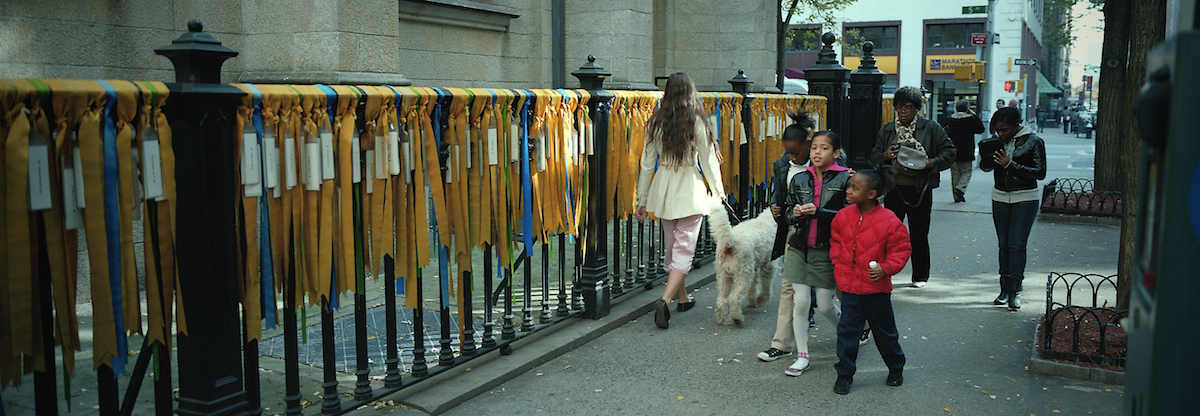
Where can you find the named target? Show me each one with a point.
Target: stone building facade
(437, 43)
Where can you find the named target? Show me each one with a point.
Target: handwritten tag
(492, 143)
(79, 185)
(355, 161)
(370, 166)
(312, 166)
(251, 170)
(381, 162)
(393, 150)
(328, 171)
(540, 149)
(289, 162)
(514, 141)
(39, 172)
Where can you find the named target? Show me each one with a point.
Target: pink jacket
(857, 239)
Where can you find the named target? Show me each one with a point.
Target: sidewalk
(965, 356)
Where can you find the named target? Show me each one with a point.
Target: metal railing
(1079, 197)
(1091, 323)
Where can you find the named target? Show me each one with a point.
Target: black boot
(1003, 298)
(1014, 294)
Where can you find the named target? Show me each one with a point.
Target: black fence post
(866, 101)
(202, 113)
(741, 85)
(828, 78)
(594, 282)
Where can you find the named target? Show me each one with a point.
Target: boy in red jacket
(868, 244)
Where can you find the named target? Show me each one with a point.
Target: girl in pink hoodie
(868, 244)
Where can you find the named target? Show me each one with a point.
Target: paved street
(965, 356)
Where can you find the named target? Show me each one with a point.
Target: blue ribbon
(526, 185)
(266, 283)
(112, 225)
(330, 101)
(443, 254)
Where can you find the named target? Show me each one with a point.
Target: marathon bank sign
(944, 64)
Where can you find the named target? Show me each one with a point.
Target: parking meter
(1161, 363)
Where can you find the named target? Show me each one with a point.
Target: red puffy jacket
(857, 239)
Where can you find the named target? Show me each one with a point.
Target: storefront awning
(1045, 87)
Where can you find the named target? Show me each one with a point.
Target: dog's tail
(718, 226)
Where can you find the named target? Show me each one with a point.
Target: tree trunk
(1151, 17)
(1113, 115)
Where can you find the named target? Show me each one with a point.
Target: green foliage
(1059, 24)
(814, 11)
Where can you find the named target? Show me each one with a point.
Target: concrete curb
(1079, 219)
(1057, 369)
(451, 388)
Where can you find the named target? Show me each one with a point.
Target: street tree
(811, 11)
(1118, 147)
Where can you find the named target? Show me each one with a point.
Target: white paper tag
(589, 139)
(470, 155)
(271, 161)
(816, 118)
(289, 162)
(514, 141)
(251, 171)
(742, 128)
(71, 215)
(370, 165)
(39, 173)
(583, 134)
(393, 151)
(355, 161)
(152, 180)
(408, 156)
(79, 186)
(448, 175)
(762, 130)
(381, 154)
(492, 143)
(540, 149)
(328, 171)
(312, 166)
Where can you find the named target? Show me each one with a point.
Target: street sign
(1025, 61)
(974, 9)
(979, 39)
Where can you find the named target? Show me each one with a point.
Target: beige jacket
(675, 192)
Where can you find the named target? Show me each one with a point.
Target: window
(951, 36)
(885, 38)
(804, 39)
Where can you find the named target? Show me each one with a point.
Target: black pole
(164, 398)
(545, 316)
(45, 381)
(419, 367)
(618, 287)
(562, 277)
(467, 340)
(527, 297)
(489, 338)
(202, 113)
(330, 402)
(291, 335)
(866, 97)
(594, 281)
(508, 331)
(392, 379)
(828, 78)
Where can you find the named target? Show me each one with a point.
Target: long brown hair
(674, 122)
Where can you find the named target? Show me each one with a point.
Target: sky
(1089, 36)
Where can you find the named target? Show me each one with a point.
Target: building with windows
(920, 42)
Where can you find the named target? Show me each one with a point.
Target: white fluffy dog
(743, 263)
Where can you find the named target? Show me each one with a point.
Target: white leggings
(802, 301)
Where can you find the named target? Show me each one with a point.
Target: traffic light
(1009, 86)
(1020, 85)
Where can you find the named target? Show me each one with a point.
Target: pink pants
(680, 236)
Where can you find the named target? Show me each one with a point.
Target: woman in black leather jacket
(1018, 166)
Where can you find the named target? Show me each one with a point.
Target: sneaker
(918, 285)
(842, 385)
(797, 368)
(772, 354)
(895, 378)
(866, 337)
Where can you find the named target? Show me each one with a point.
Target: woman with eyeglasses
(919, 150)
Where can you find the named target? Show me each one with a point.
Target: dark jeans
(1013, 224)
(875, 309)
(918, 225)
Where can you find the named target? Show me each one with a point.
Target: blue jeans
(875, 309)
(1013, 224)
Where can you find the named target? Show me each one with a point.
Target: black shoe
(662, 315)
(1002, 299)
(842, 385)
(959, 196)
(1014, 301)
(684, 306)
(772, 354)
(895, 378)
(866, 336)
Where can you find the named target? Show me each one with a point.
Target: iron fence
(1094, 326)
(1079, 197)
